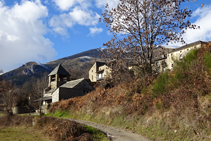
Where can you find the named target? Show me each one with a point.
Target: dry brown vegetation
(174, 106)
(56, 129)
(60, 129)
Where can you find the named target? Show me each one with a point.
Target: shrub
(61, 129)
(160, 85)
(14, 120)
(207, 60)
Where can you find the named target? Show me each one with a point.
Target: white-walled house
(166, 62)
(99, 71)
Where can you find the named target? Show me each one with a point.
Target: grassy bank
(46, 128)
(22, 133)
(174, 106)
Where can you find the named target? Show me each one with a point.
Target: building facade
(168, 57)
(99, 71)
(163, 59)
(60, 87)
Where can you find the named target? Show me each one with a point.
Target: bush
(160, 85)
(14, 120)
(207, 60)
(61, 129)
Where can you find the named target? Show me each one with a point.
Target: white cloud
(21, 35)
(67, 4)
(76, 16)
(29, 11)
(64, 4)
(95, 30)
(203, 19)
(102, 3)
(86, 18)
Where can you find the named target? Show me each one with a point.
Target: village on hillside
(60, 85)
(105, 70)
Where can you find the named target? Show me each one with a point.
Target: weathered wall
(65, 93)
(55, 96)
(92, 73)
(19, 110)
(179, 55)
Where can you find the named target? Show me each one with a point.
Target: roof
(44, 98)
(188, 45)
(72, 84)
(98, 64)
(59, 70)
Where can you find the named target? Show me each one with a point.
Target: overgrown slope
(174, 106)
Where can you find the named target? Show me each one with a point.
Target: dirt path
(115, 134)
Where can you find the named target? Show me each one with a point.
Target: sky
(46, 30)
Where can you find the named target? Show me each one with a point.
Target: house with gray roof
(165, 57)
(61, 87)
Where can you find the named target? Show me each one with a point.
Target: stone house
(60, 86)
(99, 71)
(165, 59)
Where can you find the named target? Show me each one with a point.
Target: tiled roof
(59, 70)
(72, 84)
(188, 45)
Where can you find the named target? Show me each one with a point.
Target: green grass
(21, 134)
(59, 113)
(98, 135)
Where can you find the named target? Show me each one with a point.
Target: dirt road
(115, 134)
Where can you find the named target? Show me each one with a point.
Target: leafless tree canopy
(10, 96)
(139, 26)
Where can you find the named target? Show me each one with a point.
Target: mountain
(78, 65)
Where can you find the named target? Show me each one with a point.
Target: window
(164, 69)
(180, 51)
(181, 56)
(92, 70)
(187, 49)
(172, 65)
(92, 77)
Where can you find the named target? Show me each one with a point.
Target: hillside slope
(174, 106)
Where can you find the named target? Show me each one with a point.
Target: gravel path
(113, 133)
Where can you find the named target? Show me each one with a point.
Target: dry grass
(22, 133)
(60, 129)
(20, 128)
(174, 106)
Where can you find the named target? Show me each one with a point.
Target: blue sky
(46, 30)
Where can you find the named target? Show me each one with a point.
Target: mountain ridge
(32, 70)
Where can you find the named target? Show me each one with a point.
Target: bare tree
(139, 26)
(10, 96)
(33, 90)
